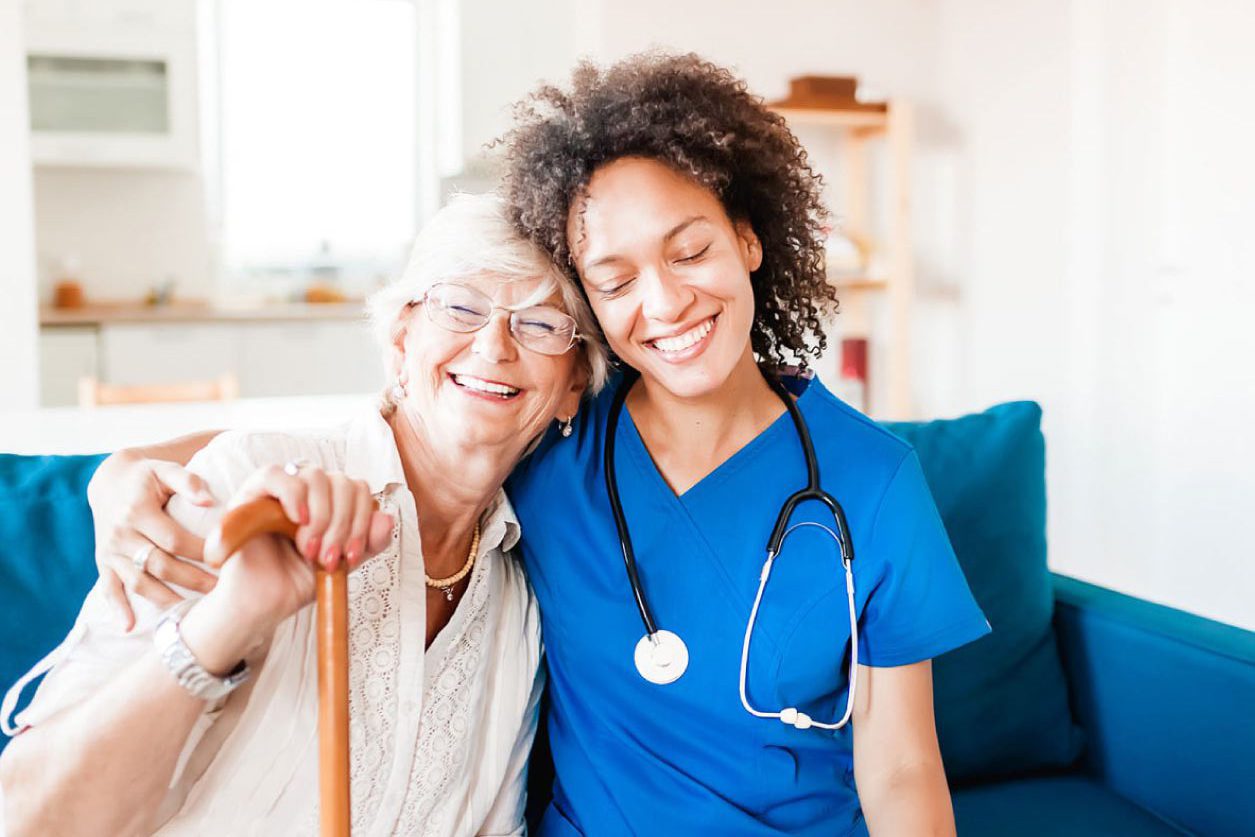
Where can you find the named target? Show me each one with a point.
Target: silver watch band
(189, 673)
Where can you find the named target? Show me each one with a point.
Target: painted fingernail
(353, 551)
(303, 513)
(332, 555)
(312, 547)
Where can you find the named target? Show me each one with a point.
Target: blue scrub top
(686, 758)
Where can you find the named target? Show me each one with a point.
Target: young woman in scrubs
(687, 212)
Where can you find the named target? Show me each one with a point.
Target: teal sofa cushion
(1062, 806)
(46, 555)
(1002, 701)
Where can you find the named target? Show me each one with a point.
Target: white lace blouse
(439, 738)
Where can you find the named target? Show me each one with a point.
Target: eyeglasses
(541, 328)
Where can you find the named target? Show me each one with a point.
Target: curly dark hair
(699, 119)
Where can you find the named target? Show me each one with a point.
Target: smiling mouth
(484, 388)
(685, 341)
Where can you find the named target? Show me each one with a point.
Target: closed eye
(695, 256)
(613, 290)
(539, 326)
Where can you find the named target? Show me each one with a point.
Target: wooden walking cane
(266, 516)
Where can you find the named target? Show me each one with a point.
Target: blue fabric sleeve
(919, 605)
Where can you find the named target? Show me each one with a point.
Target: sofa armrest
(1167, 702)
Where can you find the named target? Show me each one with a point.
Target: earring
(565, 424)
(398, 391)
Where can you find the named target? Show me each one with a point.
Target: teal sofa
(1166, 704)
(1085, 712)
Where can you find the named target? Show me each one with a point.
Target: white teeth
(481, 385)
(688, 338)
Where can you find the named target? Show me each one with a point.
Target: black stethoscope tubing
(616, 508)
(812, 491)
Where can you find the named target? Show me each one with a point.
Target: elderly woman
(483, 347)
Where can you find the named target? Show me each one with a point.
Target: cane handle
(263, 516)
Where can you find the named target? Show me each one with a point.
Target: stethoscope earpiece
(793, 718)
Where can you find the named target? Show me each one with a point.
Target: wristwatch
(180, 661)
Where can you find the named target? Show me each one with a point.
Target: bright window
(317, 157)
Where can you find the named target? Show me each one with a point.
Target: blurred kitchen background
(1050, 200)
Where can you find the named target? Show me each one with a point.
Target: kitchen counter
(199, 312)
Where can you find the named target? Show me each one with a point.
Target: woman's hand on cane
(272, 577)
(128, 497)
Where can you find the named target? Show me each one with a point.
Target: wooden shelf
(829, 118)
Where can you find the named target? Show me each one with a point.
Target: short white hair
(472, 236)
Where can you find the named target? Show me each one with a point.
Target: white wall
(1202, 290)
(890, 45)
(506, 49)
(1107, 178)
(129, 230)
(19, 370)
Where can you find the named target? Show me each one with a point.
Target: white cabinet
(113, 83)
(308, 358)
(65, 355)
(267, 357)
(167, 353)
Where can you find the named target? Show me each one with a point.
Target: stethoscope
(661, 656)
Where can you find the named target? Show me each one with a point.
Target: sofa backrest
(47, 560)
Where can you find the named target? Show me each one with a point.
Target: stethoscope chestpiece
(661, 657)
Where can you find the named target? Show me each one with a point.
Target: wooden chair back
(93, 393)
